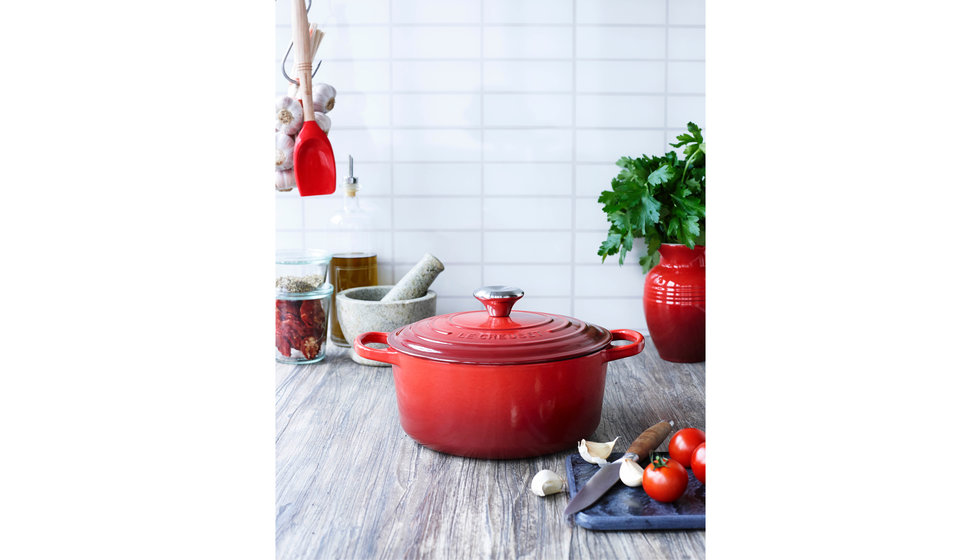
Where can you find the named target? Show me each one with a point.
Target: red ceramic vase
(673, 302)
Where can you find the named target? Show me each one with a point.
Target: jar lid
(498, 335)
(309, 256)
(324, 291)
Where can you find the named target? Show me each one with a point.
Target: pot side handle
(625, 351)
(387, 355)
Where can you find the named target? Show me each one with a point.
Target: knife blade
(608, 475)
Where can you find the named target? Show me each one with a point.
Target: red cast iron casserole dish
(499, 384)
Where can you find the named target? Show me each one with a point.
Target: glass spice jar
(302, 306)
(301, 325)
(301, 271)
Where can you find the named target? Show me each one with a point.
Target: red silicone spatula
(313, 162)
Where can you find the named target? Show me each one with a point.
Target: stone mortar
(361, 310)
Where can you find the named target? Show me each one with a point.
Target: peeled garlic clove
(546, 482)
(631, 473)
(323, 97)
(323, 121)
(285, 180)
(289, 115)
(595, 452)
(284, 151)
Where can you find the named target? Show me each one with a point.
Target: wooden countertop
(351, 484)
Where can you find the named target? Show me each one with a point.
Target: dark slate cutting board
(624, 508)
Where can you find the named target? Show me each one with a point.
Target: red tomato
(683, 443)
(664, 480)
(697, 462)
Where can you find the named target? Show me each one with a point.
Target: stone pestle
(416, 281)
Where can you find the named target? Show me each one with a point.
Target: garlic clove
(284, 151)
(324, 96)
(631, 473)
(285, 180)
(595, 452)
(289, 115)
(546, 482)
(323, 121)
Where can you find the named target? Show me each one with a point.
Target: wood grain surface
(351, 484)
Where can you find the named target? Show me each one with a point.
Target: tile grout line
(638, 93)
(302, 220)
(483, 268)
(512, 59)
(596, 297)
(476, 195)
(666, 65)
(505, 128)
(391, 135)
(465, 230)
(574, 149)
(500, 161)
(481, 23)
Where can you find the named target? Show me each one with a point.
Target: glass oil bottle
(355, 260)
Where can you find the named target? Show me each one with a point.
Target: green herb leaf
(658, 198)
(651, 212)
(673, 227)
(683, 139)
(650, 259)
(663, 175)
(691, 230)
(690, 205)
(610, 246)
(695, 131)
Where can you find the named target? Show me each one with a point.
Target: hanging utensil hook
(309, 4)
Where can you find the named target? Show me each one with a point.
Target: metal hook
(309, 3)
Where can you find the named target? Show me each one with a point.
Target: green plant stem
(688, 163)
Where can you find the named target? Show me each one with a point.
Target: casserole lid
(498, 335)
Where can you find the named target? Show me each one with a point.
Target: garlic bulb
(284, 151)
(631, 473)
(546, 482)
(324, 96)
(594, 452)
(323, 121)
(289, 115)
(285, 180)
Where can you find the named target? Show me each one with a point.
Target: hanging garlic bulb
(324, 96)
(284, 151)
(546, 482)
(289, 115)
(631, 473)
(285, 180)
(595, 452)
(323, 121)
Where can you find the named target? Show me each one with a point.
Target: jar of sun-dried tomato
(302, 306)
(301, 325)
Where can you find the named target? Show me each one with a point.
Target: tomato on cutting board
(697, 462)
(664, 479)
(683, 443)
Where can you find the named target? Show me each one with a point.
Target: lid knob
(498, 299)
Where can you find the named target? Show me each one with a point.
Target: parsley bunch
(660, 199)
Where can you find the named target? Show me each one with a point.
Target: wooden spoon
(313, 160)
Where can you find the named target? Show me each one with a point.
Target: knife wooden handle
(650, 439)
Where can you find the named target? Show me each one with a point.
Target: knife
(608, 475)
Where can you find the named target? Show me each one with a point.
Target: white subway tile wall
(484, 130)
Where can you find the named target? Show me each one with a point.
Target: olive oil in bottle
(349, 270)
(354, 263)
